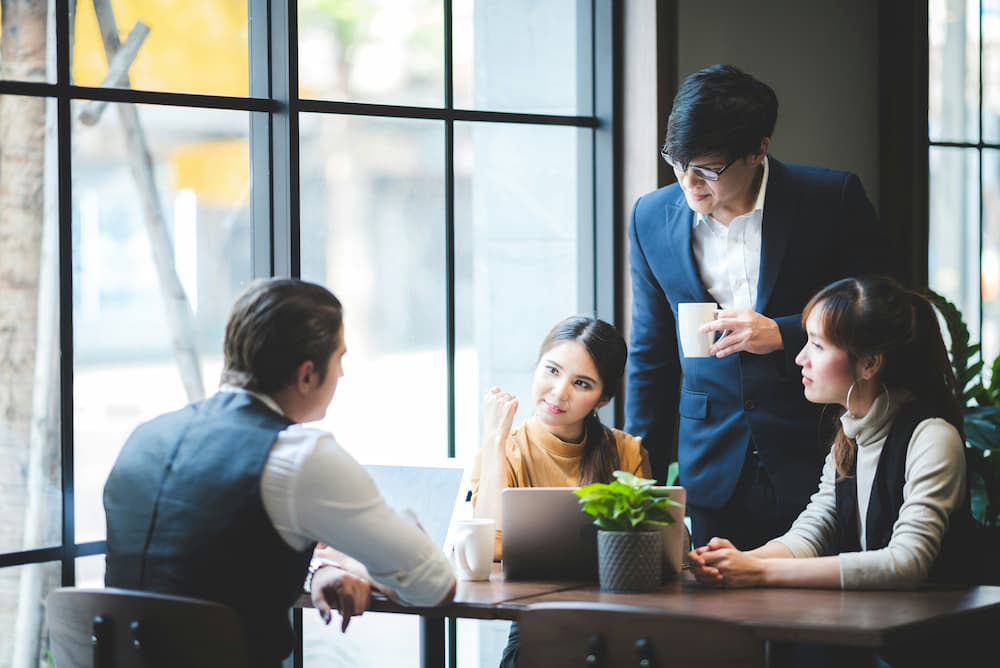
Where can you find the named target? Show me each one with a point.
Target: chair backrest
(122, 628)
(595, 635)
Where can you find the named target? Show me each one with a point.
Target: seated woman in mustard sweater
(564, 444)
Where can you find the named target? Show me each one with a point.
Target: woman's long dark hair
(876, 315)
(607, 349)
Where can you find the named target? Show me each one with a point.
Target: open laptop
(547, 536)
(431, 493)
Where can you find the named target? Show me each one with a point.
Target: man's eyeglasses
(701, 172)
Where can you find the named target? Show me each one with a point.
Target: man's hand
(743, 329)
(333, 588)
(345, 561)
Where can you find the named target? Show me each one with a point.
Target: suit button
(749, 405)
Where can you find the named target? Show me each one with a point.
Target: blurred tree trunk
(22, 198)
(177, 306)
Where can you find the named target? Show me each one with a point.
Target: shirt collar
(758, 204)
(263, 398)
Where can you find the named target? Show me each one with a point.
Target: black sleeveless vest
(185, 517)
(886, 499)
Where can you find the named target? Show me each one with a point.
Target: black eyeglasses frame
(705, 173)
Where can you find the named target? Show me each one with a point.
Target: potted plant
(627, 512)
(982, 413)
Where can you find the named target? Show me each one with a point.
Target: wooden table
(870, 619)
(488, 599)
(927, 617)
(495, 598)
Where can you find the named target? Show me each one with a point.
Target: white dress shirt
(728, 256)
(314, 491)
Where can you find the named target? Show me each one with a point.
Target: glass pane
(953, 247)
(991, 256)
(177, 224)
(991, 71)
(374, 640)
(27, 42)
(377, 51)
(30, 464)
(953, 86)
(373, 232)
(90, 571)
(517, 244)
(23, 635)
(521, 55)
(194, 47)
(481, 643)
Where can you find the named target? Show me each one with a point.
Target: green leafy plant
(982, 413)
(627, 503)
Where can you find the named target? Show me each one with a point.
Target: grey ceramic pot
(629, 561)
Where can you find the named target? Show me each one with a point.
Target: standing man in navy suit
(758, 238)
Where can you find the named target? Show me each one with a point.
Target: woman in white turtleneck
(875, 349)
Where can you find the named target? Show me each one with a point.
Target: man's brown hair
(276, 325)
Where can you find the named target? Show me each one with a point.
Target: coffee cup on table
(474, 540)
(690, 317)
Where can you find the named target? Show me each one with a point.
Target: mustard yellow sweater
(536, 458)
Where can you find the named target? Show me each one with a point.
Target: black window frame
(274, 105)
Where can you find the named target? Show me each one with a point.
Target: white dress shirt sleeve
(314, 491)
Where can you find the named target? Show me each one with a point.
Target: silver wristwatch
(315, 564)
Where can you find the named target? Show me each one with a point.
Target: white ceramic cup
(691, 316)
(474, 548)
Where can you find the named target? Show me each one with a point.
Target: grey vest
(185, 517)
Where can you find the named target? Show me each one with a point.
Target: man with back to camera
(227, 498)
(758, 238)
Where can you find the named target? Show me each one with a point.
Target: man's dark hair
(276, 325)
(720, 109)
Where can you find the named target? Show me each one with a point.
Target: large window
(964, 156)
(444, 167)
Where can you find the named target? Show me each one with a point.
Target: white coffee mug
(691, 316)
(474, 548)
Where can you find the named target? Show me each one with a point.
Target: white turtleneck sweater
(934, 485)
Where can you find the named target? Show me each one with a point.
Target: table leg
(432, 642)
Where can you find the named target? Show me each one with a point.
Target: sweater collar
(873, 426)
(537, 433)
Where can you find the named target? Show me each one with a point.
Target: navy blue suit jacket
(818, 227)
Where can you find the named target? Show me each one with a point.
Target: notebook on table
(547, 536)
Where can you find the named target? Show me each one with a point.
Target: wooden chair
(121, 628)
(595, 635)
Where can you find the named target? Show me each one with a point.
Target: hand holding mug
(692, 317)
(742, 330)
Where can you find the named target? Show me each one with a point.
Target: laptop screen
(547, 536)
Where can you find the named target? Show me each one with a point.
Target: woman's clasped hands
(720, 563)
